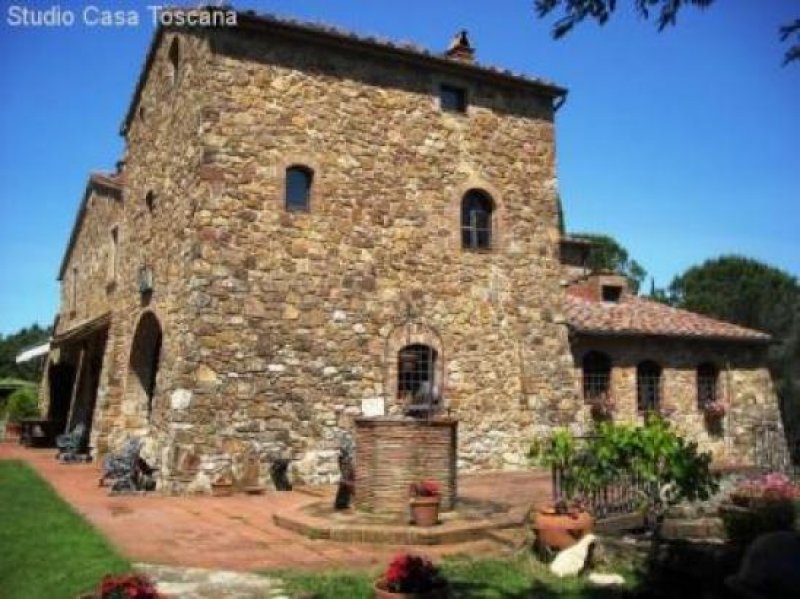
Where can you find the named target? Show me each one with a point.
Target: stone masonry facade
(232, 325)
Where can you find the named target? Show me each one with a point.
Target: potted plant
(425, 500)
(757, 506)
(410, 577)
(714, 410)
(222, 485)
(665, 410)
(602, 407)
(564, 522)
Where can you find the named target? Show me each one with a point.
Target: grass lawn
(518, 577)
(47, 551)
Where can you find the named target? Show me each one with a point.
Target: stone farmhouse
(307, 226)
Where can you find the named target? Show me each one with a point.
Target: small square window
(611, 293)
(453, 99)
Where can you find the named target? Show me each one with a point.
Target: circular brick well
(393, 453)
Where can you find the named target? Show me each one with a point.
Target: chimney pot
(460, 48)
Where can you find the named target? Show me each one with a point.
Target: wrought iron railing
(619, 495)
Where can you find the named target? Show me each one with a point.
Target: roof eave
(765, 340)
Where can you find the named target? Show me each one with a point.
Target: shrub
(23, 403)
(765, 504)
(663, 465)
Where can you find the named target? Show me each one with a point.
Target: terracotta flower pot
(222, 489)
(425, 510)
(381, 592)
(559, 531)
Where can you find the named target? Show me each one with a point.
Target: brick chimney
(460, 48)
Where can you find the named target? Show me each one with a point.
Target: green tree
(740, 290)
(12, 345)
(609, 256)
(573, 12)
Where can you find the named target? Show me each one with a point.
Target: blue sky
(683, 145)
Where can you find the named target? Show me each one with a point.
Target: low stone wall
(393, 453)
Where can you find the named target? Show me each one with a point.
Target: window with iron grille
(707, 377)
(476, 220)
(596, 376)
(298, 188)
(415, 371)
(648, 386)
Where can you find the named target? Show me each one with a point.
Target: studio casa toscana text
(96, 15)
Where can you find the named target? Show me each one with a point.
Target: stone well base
(393, 453)
(471, 521)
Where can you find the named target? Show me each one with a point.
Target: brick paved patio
(238, 532)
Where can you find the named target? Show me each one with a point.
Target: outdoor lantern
(145, 280)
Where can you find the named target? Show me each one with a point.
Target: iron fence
(620, 495)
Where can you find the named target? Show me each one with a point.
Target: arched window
(476, 220)
(596, 376)
(150, 201)
(298, 187)
(707, 377)
(416, 368)
(648, 386)
(174, 61)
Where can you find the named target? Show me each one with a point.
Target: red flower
(427, 488)
(409, 573)
(714, 409)
(127, 586)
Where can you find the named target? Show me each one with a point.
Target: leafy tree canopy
(12, 345)
(740, 290)
(574, 12)
(608, 255)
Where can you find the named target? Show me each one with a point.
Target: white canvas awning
(33, 352)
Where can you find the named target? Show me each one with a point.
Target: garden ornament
(572, 560)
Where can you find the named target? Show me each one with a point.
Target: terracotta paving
(237, 533)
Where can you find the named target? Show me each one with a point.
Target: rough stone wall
(87, 287)
(290, 312)
(161, 160)
(744, 384)
(89, 279)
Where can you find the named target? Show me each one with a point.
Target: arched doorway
(144, 362)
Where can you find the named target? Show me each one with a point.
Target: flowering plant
(773, 486)
(603, 407)
(714, 409)
(427, 488)
(409, 573)
(127, 586)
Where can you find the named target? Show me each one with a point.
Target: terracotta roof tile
(634, 315)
